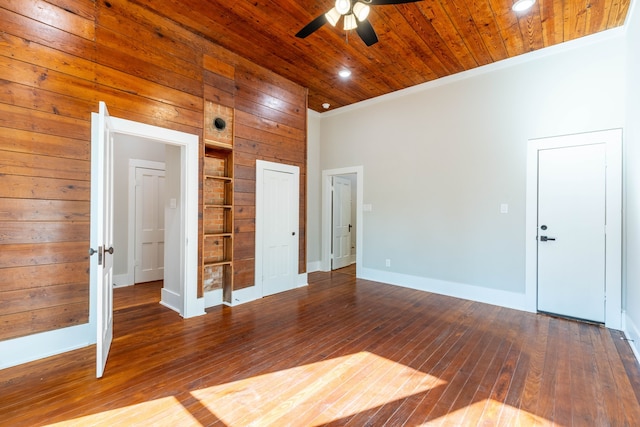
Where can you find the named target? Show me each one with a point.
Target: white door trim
(131, 214)
(261, 166)
(189, 144)
(325, 261)
(613, 277)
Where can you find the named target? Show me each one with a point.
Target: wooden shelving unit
(217, 192)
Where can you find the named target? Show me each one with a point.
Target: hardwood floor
(136, 295)
(338, 352)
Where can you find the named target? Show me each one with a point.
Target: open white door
(341, 249)
(101, 250)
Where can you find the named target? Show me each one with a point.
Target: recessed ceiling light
(522, 5)
(344, 73)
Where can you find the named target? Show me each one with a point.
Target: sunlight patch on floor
(167, 411)
(492, 413)
(336, 388)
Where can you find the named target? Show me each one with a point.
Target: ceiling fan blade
(367, 33)
(312, 26)
(383, 2)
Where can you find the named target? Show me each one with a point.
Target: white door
(149, 252)
(278, 228)
(101, 265)
(341, 201)
(571, 231)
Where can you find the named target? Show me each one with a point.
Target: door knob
(110, 250)
(545, 238)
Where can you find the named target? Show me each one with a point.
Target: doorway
(149, 224)
(574, 226)
(356, 174)
(343, 221)
(182, 222)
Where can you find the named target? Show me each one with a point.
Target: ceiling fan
(355, 14)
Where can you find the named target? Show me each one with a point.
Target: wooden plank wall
(58, 58)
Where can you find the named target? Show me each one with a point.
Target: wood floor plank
(341, 351)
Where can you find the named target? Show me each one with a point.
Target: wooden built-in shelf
(217, 201)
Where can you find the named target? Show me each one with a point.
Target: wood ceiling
(418, 42)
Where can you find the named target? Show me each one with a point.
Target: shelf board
(218, 234)
(217, 144)
(216, 263)
(218, 177)
(218, 206)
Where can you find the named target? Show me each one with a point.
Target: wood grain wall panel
(25, 141)
(44, 166)
(114, 51)
(46, 319)
(83, 8)
(219, 96)
(15, 209)
(43, 232)
(270, 148)
(27, 254)
(58, 58)
(156, 36)
(38, 276)
(53, 124)
(15, 186)
(54, 17)
(34, 31)
(22, 95)
(43, 297)
(243, 273)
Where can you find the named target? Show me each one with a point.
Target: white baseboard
(632, 333)
(302, 280)
(242, 296)
(37, 346)
(314, 266)
(497, 297)
(171, 300)
(120, 280)
(213, 298)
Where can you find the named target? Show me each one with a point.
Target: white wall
(440, 159)
(172, 292)
(631, 298)
(313, 192)
(127, 147)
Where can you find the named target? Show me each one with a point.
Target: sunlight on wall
(250, 401)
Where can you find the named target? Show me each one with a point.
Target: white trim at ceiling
(505, 63)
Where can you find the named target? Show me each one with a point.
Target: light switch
(367, 208)
(504, 208)
(173, 204)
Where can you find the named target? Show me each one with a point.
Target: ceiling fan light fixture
(333, 16)
(343, 6)
(350, 22)
(522, 5)
(361, 11)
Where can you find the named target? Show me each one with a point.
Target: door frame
(261, 166)
(189, 155)
(613, 242)
(326, 232)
